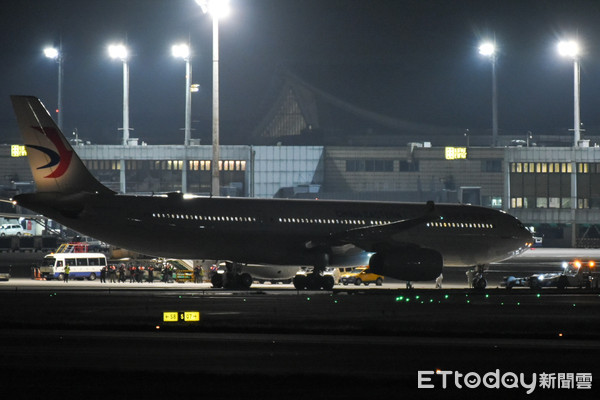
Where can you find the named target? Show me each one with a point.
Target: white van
(11, 230)
(81, 265)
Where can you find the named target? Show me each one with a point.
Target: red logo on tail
(63, 159)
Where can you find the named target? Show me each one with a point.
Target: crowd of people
(139, 273)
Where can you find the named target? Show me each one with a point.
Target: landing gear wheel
(479, 283)
(300, 282)
(328, 282)
(245, 280)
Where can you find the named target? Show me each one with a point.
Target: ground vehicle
(11, 229)
(361, 275)
(82, 265)
(93, 244)
(574, 274)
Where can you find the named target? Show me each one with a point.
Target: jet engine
(407, 264)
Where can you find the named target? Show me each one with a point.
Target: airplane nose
(526, 236)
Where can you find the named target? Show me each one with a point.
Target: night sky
(411, 60)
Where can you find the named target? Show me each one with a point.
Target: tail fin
(54, 164)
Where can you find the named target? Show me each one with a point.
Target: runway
(280, 342)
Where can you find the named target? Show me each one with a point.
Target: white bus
(81, 265)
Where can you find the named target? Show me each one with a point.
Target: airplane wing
(366, 237)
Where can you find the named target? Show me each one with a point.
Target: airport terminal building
(552, 187)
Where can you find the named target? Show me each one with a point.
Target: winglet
(54, 164)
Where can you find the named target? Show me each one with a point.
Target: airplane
(406, 241)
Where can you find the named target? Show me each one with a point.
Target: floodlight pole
(215, 184)
(56, 54)
(60, 90)
(188, 122)
(576, 95)
(123, 187)
(494, 102)
(120, 52)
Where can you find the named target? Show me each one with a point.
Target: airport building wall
(554, 189)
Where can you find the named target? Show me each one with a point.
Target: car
(94, 245)
(361, 275)
(11, 230)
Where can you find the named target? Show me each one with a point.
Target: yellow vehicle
(361, 275)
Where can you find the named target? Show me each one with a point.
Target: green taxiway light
(399, 298)
(539, 295)
(487, 295)
(446, 296)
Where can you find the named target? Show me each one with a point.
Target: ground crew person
(132, 270)
(470, 275)
(113, 274)
(103, 275)
(197, 274)
(438, 281)
(121, 273)
(67, 272)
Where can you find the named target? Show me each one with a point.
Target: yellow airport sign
(185, 316)
(456, 153)
(18, 151)
(170, 316)
(191, 316)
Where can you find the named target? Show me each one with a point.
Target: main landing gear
(315, 280)
(232, 277)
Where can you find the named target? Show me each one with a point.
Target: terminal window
(366, 165)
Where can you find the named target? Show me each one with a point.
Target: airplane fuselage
(271, 231)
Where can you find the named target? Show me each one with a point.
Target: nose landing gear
(478, 280)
